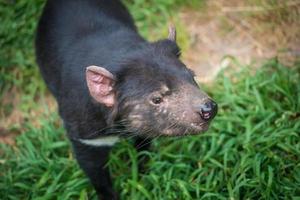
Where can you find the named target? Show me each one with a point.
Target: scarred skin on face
(168, 111)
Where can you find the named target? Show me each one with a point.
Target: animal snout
(208, 110)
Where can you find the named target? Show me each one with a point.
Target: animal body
(110, 83)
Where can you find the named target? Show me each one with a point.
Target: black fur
(74, 34)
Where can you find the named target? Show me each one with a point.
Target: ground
(239, 30)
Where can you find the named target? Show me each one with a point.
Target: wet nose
(208, 110)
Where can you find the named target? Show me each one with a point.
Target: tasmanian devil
(110, 82)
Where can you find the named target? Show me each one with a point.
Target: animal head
(154, 93)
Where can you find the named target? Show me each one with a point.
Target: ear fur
(100, 83)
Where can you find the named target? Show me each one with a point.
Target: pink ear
(100, 83)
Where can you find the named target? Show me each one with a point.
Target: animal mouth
(200, 126)
(192, 129)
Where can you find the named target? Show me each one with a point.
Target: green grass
(250, 152)
(17, 63)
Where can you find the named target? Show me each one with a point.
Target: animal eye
(157, 100)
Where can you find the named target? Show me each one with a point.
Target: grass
(250, 152)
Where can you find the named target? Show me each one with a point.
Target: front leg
(142, 144)
(92, 160)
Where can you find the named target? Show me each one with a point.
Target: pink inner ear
(100, 83)
(95, 77)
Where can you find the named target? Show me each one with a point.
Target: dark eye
(157, 100)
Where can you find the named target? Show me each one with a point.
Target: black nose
(208, 110)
